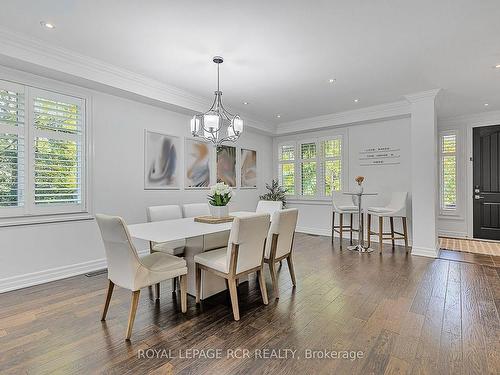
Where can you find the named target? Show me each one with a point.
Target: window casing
(448, 156)
(42, 154)
(311, 169)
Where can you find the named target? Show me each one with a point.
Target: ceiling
(280, 54)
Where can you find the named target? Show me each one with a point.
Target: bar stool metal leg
(380, 232)
(350, 231)
(369, 229)
(333, 224)
(341, 228)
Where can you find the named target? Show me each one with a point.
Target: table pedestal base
(360, 249)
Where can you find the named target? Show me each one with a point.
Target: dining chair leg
(157, 291)
(291, 269)
(131, 316)
(341, 228)
(333, 224)
(262, 284)
(274, 278)
(198, 283)
(392, 231)
(405, 233)
(233, 292)
(380, 231)
(174, 284)
(183, 283)
(369, 229)
(111, 286)
(350, 231)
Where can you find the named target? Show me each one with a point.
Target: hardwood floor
(459, 256)
(406, 314)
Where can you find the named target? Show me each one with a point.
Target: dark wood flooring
(406, 314)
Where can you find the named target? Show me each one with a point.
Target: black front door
(486, 180)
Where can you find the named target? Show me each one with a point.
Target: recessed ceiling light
(356, 100)
(278, 116)
(47, 25)
(497, 66)
(486, 104)
(246, 103)
(332, 80)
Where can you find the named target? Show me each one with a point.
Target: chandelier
(217, 125)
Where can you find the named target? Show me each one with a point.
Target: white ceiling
(280, 54)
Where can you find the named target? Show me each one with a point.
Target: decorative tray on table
(213, 220)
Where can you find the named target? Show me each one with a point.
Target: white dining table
(199, 237)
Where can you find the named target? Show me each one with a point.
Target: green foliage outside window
(308, 178)
(449, 171)
(9, 172)
(11, 116)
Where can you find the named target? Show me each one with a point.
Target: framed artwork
(161, 161)
(248, 168)
(226, 165)
(197, 164)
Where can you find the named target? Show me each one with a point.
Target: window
(318, 163)
(287, 167)
(308, 163)
(448, 168)
(42, 152)
(332, 165)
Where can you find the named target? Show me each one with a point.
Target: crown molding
(56, 59)
(367, 114)
(423, 95)
(475, 119)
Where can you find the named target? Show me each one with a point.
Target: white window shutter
(57, 149)
(12, 117)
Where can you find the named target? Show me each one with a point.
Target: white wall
(461, 224)
(37, 253)
(315, 216)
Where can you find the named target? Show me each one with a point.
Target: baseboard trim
(445, 233)
(53, 274)
(328, 233)
(425, 252)
(315, 231)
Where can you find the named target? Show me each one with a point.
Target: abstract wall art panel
(161, 161)
(226, 165)
(197, 157)
(248, 168)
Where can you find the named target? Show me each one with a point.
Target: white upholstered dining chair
(196, 209)
(395, 208)
(342, 204)
(279, 243)
(243, 254)
(269, 207)
(162, 213)
(128, 271)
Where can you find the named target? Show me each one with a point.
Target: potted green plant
(276, 193)
(220, 195)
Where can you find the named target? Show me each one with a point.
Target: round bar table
(360, 246)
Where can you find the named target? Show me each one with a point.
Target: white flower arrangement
(220, 195)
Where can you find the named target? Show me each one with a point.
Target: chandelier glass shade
(217, 125)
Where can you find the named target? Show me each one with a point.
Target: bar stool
(342, 204)
(395, 208)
